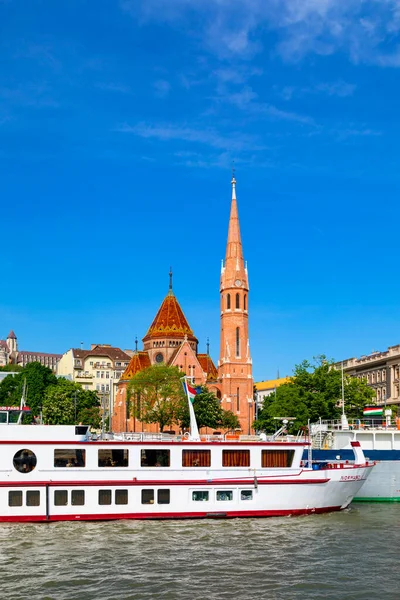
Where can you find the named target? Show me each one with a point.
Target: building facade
(170, 340)
(381, 371)
(263, 389)
(98, 369)
(10, 354)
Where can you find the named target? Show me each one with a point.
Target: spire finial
(170, 281)
(208, 346)
(136, 343)
(233, 182)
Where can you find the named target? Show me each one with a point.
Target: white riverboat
(379, 441)
(53, 473)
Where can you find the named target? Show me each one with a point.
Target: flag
(191, 392)
(372, 411)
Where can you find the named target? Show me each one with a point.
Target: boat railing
(324, 426)
(131, 436)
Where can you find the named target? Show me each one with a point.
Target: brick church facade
(171, 341)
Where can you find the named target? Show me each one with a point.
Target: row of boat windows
(119, 497)
(25, 460)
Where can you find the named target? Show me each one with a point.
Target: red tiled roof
(170, 321)
(3, 344)
(109, 351)
(208, 366)
(139, 361)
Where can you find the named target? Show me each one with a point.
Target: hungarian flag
(190, 391)
(372, 411)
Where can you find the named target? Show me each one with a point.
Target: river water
(348, 555)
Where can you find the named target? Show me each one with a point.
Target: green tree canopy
(37, 378)
(314, 392)
(208, 411)
(155, 395)
(67, 403)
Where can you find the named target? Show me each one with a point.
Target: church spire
(170, 292)
(234, 268)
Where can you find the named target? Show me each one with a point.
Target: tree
(67, 403)
(206, 407)
(12, 368)
(208, 412)
(155, 395)
(314, 392)
(9, 391)
(229, 420)
(37, 378)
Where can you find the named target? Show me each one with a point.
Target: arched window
(237, 341)
(228, 301)
(245, 302)
(237, 301)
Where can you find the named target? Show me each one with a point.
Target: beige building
(381, 370)
(98, 369)
(262, 389)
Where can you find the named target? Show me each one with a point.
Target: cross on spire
(170, 292)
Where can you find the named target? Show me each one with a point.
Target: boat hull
(383, 485)
(303, 493)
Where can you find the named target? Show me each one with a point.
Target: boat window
(60, 497)
(246, 494)
(14, 498)
(81, 429)
(104, 497)
(200, 496)
(276, 458)
(155, 458)
(147, 496)
(121, 496)
(235, 458)
(69, 457)
(24, 461)
(3, 417)
(196, 458)
(78, 497)
(224, 495)
(163, 496)
(113, 457)
(33, 498)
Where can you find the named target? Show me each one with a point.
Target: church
(170, 340)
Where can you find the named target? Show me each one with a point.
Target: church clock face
(159, 358)
(238, 283)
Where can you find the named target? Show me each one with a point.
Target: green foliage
(61, 401)
(12, 368)
(155, 395)
(314, 392)
(208, 411)
(229, 420)
(37, 378)
(66, 403)
(58, 406)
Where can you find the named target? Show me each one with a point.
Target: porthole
(24, 461)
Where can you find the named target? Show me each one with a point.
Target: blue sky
(119, 122)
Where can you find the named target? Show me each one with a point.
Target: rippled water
(347, 555)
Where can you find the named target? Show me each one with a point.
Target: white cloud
(209, 137)
(231, 28)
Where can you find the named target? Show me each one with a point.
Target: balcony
(84, 375)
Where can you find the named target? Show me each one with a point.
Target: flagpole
(194, 430)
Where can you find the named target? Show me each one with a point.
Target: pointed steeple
(234, 268)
